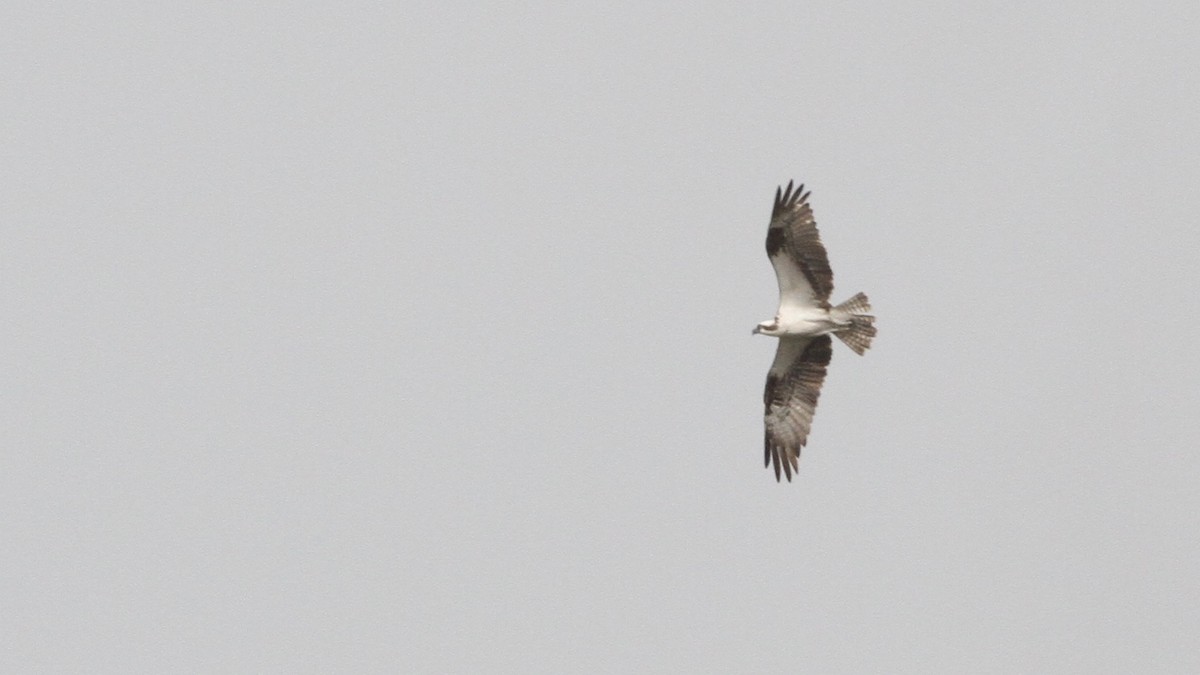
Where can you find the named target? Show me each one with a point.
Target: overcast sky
(398, 338)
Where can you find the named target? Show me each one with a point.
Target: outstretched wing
(793, 387)
(795, 249)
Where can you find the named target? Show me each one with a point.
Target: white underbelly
(812, 323)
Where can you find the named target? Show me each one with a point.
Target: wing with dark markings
(790, 399)
(795, 249)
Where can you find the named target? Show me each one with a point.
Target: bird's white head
(767, 328)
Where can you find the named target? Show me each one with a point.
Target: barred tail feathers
(861, 331)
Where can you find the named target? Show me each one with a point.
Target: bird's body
(803, 324)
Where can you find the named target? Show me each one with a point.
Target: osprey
(803, 324)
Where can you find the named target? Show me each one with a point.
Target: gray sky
(406, 339)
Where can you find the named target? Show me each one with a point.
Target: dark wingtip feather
(791, 196)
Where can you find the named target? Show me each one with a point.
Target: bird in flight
(803, 324)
